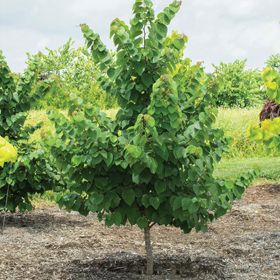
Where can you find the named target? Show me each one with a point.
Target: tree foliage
(8, 152)
(274, 62)
(15, 96)
(72, 71)
(234, 86)
(31, 171)
(153, 164)
(268, 131)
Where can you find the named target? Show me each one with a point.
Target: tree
(72, 71)
(31, 171)
(234, 86)
(154, 164)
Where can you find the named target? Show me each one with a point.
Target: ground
(49, 243)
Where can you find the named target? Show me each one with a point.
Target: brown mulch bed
(49, 243)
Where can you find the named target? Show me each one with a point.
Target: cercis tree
(154, 163)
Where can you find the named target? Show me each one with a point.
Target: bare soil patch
(49, 243)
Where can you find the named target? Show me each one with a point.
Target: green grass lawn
(268, 168)
(235, 123)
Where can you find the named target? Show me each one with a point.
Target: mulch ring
(124, 265)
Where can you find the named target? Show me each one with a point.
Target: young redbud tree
(154, 163)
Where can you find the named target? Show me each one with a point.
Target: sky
(218, 30)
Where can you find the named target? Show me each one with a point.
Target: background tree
(73, 72)
(154, 163)
(31, 172)
(234, 86)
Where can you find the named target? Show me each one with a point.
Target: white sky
(218, 30)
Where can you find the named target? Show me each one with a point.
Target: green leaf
(147, 79)
(95, 200)
(149, 120)
(101, 182)
(177, 203)
(109, 159)
(116, 218)
(146, 200)
(15, 96)
(139, 67)
(179, 43)
(98, 198)
(115, 199)
(77, 160)
(152, 164)
(129, 196)
(155, 202)
(193, 150)
(179, 152)
(160, 187)
(186, 203)
(134, 151)
(161, 29)
(142, 222)
(111, 73)
(89, 112)
(133, 214)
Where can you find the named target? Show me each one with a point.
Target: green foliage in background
(269, 130)
(236, 125)
(31, 172)
(8, 152)
(274, 62)
(234, 86)
(73, 73)
(267, 168)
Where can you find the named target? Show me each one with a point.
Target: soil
(49, 243)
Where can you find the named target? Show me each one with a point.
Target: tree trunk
(149, 252)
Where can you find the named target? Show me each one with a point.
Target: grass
(235, 123)
(268, 168)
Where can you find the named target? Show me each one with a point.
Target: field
(53, 244)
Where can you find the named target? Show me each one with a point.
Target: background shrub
(274, 62)
(234, 86)
(73, 72)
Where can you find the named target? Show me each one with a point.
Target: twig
(151, 225)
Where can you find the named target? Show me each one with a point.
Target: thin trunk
(149, 251)
(5, 209)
